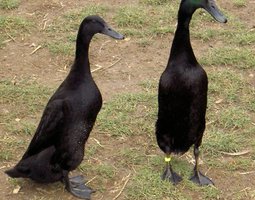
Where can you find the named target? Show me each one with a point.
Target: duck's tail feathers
(18, 172)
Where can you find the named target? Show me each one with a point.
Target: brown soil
(135, 64)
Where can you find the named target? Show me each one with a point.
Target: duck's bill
(212, 8)
(112, 33)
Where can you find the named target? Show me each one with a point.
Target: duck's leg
(77, 187)
(77, 180)
(197, 176)
(169, 174)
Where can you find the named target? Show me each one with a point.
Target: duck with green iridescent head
(182, 95)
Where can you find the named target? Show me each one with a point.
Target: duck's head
(94, 24)
(189, 6)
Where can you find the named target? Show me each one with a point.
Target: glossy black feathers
(182, 95)
(59, 141)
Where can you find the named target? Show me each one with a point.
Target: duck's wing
(50, 125)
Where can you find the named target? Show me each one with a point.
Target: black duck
(59, 141)
(182, 94)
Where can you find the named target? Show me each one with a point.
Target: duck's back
(182, 103)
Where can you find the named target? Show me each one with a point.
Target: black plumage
(59, 141)
(182, 94)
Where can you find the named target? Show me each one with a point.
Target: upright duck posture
(59, 141)
(182, 94)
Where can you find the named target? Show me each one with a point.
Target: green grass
(205, 35)
(218, 141)
(71, 20)
(9, 4)
(61, 47)
(105, 171)
(5, 155)
(133, 21)
(247, 38)
(117, 113)
(225, 135)
(11, 27)
(14, 24)
(233, 118)
(126, 124)
(240, 3)
(145, 185)
(30, 99)
(241, 164)
(230, 86)
(131, 16)
(154, 2)
(236, 35)
(30, 96)
(240, 58)
(131, 116)
(62, 33)
(2, 41)
(129, 20)
(133, 156)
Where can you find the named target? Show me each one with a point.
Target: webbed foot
(200, 179)
(82, 191)
(76, 186)
(171, 176)
(77, 180)
(197, 176)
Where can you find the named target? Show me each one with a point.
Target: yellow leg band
(167, 159)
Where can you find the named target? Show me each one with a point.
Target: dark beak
(112, 33)
(212, 8)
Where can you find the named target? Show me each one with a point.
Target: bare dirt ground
(135, 63)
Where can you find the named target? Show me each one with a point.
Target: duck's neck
(81, 62)
(181, 47)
